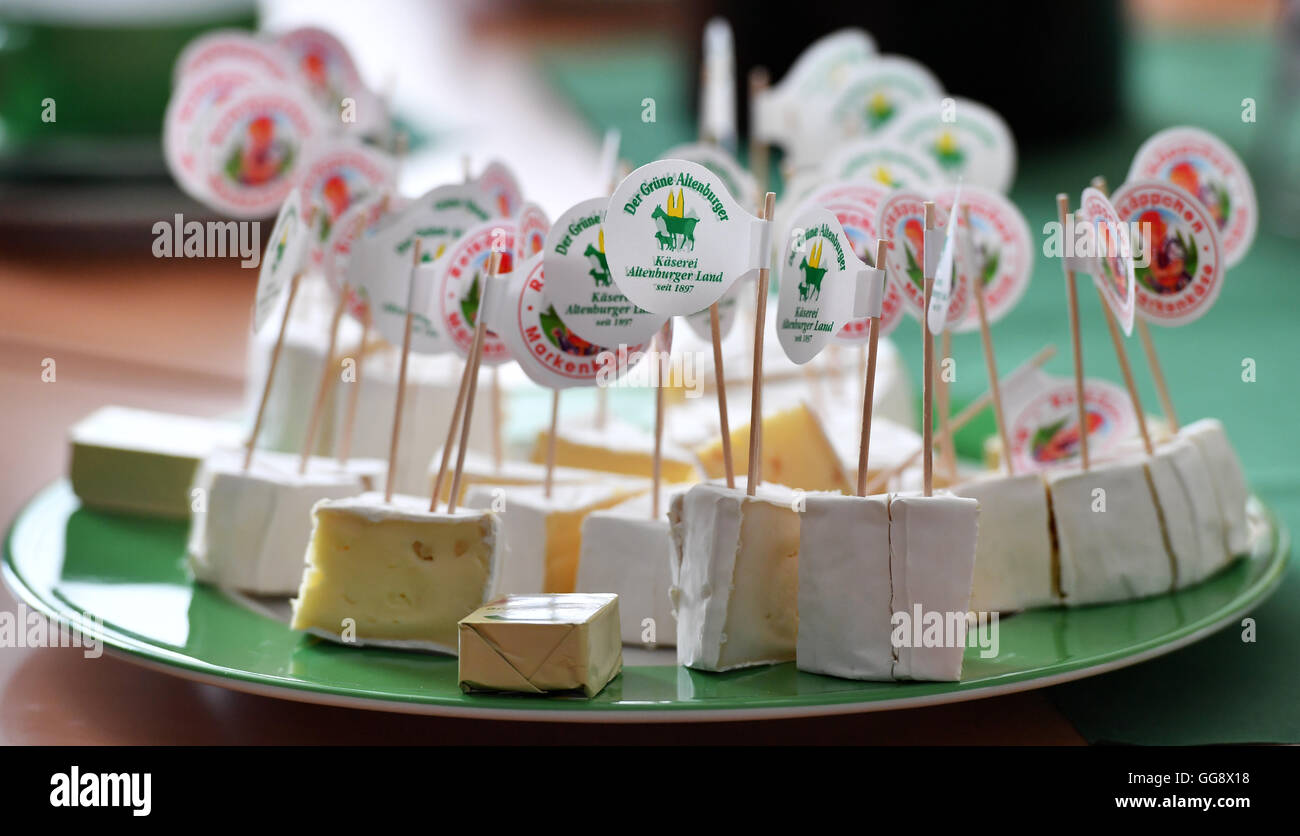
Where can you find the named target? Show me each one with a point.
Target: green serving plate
(72, 563)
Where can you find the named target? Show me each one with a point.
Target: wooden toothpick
(270, 372)
(720, 383)
(323, 386)
(927, 362)
(391, 476)
(1072, 301)
(990, 360)
(869, 383)
(497, 420)
(756, 395)
(658, 458)
(947, 454)
(354, 395)
(475, 359)
(550, 444)
(758, 161)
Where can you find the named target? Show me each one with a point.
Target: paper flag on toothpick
(823, 285)
(820, 70)
(1110, 254)
(718, 88)
(338, 174)
(458, 280)
(995, 249)
(941, 295)
(738, 181)
(676, 239)
(531, 227)
(858, 220)
(286, 251)
(502, 186)
(1043, 423)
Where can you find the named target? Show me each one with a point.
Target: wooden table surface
(171, 335)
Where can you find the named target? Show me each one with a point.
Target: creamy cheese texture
(618, 448)
(891, 444)
(541, 537)
(796, 451)
(142, 462)
(1190, 511)
(1113, 554)
(844, 587)
(737, 579)
(395, 574)
(1014, 560)
(932, 542)
(536, 644)
(249, 529)
(1230, 489)
(626, 552)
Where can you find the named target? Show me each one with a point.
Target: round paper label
(967, 140)
(502, 187)
(254, 149)
(994, 249)
(738, 181)
(225, 46)
(858, 220)
(580, 285)
(818, 283)
(355, 222)
(1045, 431)
(548, 352)
(283, 258)
(533, 226)
(326, 68)
(1114, 255)
(1202, 165)
(878, 91)
(337, 175)
(1179, 265)
(887, 163)
(676, 239)
(901, 222)
(193, 101)
(462, 275)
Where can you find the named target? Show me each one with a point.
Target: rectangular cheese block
(541, 537)
(396, 574)
(1014, 561)
(736, 594)
(1115, 554)
(1230, 489)
(626, 552)
(932, 543)
(138, 461)
(1190, 512)
(618, 448)
(250, 528)
(796, 452)
(538, 644)
(845, 597)
(479, 469)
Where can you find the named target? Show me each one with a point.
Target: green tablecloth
(1220, 690)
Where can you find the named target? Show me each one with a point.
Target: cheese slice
(1014, 562)
(845, 597)
(395, 575)
(1229, 482)
(796, 452)
(736, 595)
(137, 461)
(626, 552)
(537, 644)
(619, 448)
(479, 469)
(542, 538)
(891, 444)
(932, 543)
(1112, 555)
(250, 528)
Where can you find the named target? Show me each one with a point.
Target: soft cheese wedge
(537, 644)
(1189, 510)
(737, 576)
(932, 544)
(395, 574)
(844, 587)
(619, 448)
(796, 452)
(480, 470)
(1114, 554)
(249, 528)
(542, 537)
(1014, 563)
(1229, 483)
(892, 444)
(626, 552)
(141, 462)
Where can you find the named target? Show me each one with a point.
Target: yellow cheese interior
(796, 452)
(589, 455)
(399, 579)
(564, 541)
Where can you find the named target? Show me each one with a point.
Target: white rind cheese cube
(1189, 510)
(844, 587)
(1229, 482)
(737, 578)
(1113, 555)
(250, 528)
(932, 542)
(629, 554)
(1013, 557)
